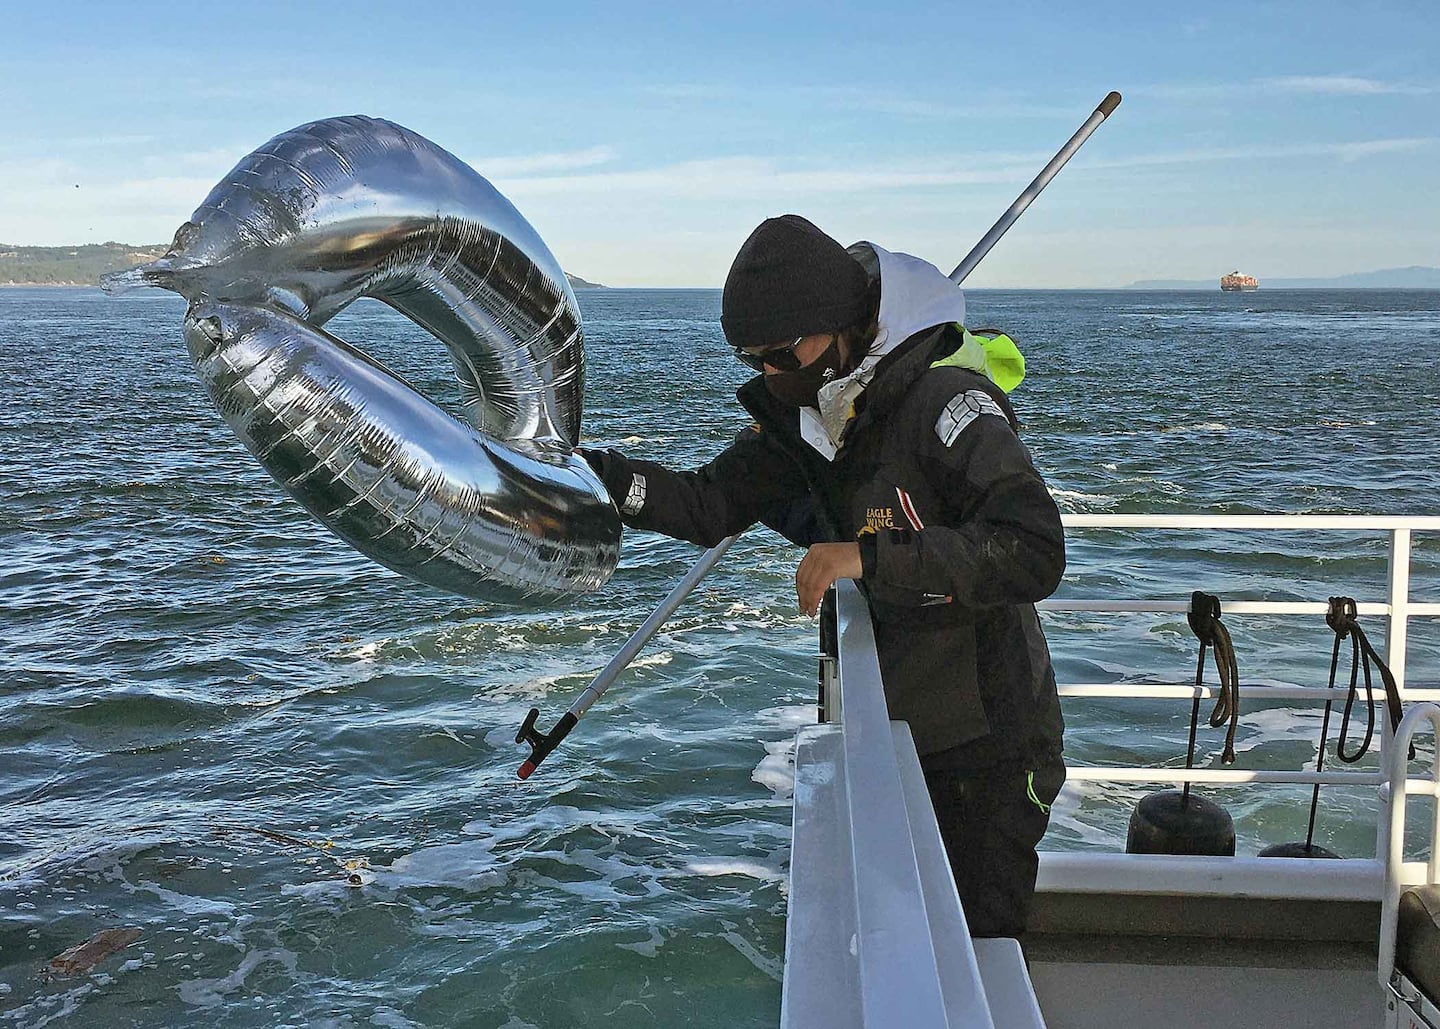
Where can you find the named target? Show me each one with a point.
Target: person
(882, 441)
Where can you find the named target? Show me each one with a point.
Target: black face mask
(799, 388)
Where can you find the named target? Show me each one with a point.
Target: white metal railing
(1397, 607)
(889, 916)
(1272, 876)
(1400, 787)
(876, 936)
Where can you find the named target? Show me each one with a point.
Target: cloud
(96, 172)
(1352, 151)
(1102, 255)
(51, 201)
(1369, 148)
(694, 91)
(990, 103)
(37, 171)
(253, 90)
(1343, 85)
(21, 144)
(738, 176)
(518, 166)
(732, 177)
(1191, 92)
(1313, 85)
(213, 162)
(927, 110)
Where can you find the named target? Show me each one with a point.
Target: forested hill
(83, 265)
(74, 266)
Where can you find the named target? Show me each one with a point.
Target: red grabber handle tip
(541, 743)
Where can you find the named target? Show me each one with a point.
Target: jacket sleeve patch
(961, 411)
(635, 498)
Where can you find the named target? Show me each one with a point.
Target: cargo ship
(1235, 282)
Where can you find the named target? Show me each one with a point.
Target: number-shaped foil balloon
(358, 207)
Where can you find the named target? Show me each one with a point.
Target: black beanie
(790, 279)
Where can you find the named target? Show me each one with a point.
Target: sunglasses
(781, 358)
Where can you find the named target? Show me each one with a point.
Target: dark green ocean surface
(215, 717)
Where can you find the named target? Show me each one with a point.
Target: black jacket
(958, 538)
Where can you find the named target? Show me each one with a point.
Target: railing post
(829, 700)
(1395, 640)
(1394, 792)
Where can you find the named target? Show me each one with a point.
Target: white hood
(914, 295)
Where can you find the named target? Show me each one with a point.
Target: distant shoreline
(49, 285)
(85, 264)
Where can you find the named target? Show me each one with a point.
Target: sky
(645, 141)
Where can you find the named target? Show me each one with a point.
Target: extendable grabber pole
(977, 254)
(541, 744)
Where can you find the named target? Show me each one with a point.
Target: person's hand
(822, 564)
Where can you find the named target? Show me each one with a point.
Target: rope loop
(1203, 616)
(1342, 619)
(1205, 623)
(1341, 616)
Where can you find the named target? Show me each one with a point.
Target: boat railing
(1400, 786)
(1094, 871)
(876, 936)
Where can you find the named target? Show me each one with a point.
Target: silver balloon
(355, 207)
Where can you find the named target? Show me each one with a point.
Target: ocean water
(293, 771)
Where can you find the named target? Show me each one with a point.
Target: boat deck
(1116, 959)
(1105, 981)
